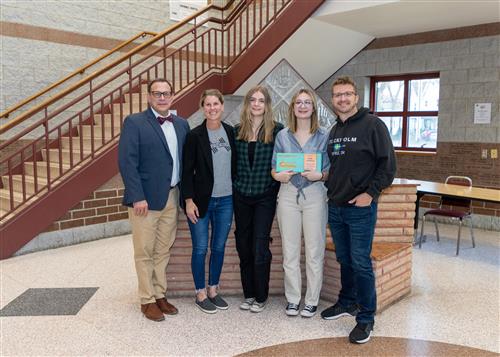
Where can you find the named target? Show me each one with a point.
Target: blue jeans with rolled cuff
(220, 217)
(352, 230)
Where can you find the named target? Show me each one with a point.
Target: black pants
(254, 217)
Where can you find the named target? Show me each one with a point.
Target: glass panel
(424, 94)
(389, 96)
(422, 132)
(395, 126)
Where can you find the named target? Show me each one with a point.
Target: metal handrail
(99, 109)
(137, 49)
(80, 70)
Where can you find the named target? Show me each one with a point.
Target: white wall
(28, 65)
(316, 50)
(113, 19)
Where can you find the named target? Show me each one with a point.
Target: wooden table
(449, 190)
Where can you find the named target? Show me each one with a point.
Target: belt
(177, 184)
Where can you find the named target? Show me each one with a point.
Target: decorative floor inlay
(377, 346)
(48, 302)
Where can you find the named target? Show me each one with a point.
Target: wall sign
(482, 113)
(180, 9)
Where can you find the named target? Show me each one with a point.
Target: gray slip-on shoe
(206, 306)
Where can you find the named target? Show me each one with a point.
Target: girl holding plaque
(300, 162)
(254, 195)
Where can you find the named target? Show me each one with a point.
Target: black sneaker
(361, 333)
(206, 306)
(336, 311)
(219, 302)
(292, 309)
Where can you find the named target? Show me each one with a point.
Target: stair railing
(80, 71)
(206, 42)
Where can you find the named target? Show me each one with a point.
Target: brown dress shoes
(166, 307)
(152, 312)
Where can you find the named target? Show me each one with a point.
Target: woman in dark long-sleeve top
(207, 174)
(254, 196)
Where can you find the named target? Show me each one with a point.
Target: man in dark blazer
(150, 160)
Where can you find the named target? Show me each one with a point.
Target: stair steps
(65, 155)
(29, 183)
(99, 131)
(5, 199)
(86, 142)
(41, 169)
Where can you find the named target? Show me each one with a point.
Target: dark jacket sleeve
(232, 142)
(385, 160)
(128, 162)
(188, 165)
(277, 128)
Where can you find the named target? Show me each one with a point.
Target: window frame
(405, 114)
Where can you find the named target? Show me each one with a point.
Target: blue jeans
(220, 216)
(352, 231)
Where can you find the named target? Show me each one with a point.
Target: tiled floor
(48, 302)
(454, 300)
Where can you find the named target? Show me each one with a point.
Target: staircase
(67, 146)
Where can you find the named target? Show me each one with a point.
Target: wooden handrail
(139, 48)
(80, 70)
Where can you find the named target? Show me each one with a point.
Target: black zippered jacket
(362, 158)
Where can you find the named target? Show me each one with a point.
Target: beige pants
(309, 215)
(153, 236)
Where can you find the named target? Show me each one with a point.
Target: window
(408, 105)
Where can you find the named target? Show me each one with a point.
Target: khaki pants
(153, 236)
(309, 215)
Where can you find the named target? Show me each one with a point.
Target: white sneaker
(292, 309)
(247, 304)
(258, 306)
(309, 311)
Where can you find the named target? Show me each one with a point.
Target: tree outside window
(408, 105)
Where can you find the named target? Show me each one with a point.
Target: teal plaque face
(298, 162)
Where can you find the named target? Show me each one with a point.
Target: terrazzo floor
(455, 301)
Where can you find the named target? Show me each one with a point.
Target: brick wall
(391, 262)
(99, 207)
(392, 249)
(180, 280)
(391, 258)
(392, 276)
(468, 68)
(396, 212)
(453, 158)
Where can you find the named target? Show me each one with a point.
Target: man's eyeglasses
(157, 94)
(306, 103)
(345, 94)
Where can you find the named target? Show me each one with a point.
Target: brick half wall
(99, 207)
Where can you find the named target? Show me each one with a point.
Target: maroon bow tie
(162, 120)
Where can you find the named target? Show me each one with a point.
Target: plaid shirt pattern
(256, 179)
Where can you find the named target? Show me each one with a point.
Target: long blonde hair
(265, 133)
(292, 119)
